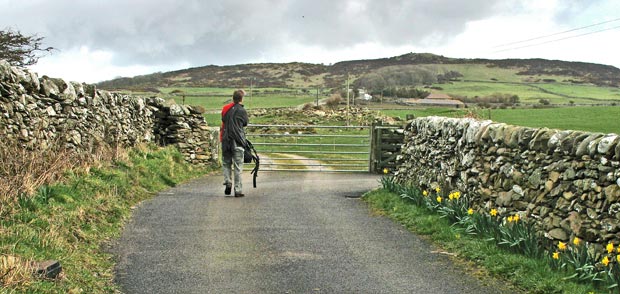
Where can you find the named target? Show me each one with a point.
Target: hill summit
(419, 68)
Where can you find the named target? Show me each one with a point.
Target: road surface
(299, 232)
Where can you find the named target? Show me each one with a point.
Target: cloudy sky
(103, 39)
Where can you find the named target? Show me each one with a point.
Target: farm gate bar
(295, 148)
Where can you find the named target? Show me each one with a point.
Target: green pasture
(216, 103)
(527, 94)
(531, 93)
(602, 119)
(485, 73)
(198, 91)
(212, 99)
(480, 80)
(582, 92)
(206, 91)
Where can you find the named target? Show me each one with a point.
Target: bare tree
(20, 50)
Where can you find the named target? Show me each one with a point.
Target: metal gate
(312, 148)
(295, 148)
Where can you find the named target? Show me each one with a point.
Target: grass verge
(72, 221)
(531, 275)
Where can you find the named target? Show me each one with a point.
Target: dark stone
(49, 269)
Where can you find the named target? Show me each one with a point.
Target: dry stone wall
(43, 111)
(567, 181)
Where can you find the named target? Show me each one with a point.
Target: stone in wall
(567, 181)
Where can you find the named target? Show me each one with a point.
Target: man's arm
(244, 117)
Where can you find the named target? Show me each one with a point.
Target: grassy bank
(532, 275)
(72, 221)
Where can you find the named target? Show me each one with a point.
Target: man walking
(232, 136)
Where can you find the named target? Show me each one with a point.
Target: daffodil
(516, 218)
(610, 247)
(439, 199)
(437, 189)
(509, 219)
(493, 212)
(425, 193)
(605, 261)
(471, 211)
(457, 195)
(618, 258)
(576, 241)
(561, 245)
(385, 170)
(451, 196)
(556, 255)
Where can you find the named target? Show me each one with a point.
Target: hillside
(406, 70)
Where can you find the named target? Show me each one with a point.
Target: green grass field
(603, 119)
(531, 93)
(479, 81)
(212, 99)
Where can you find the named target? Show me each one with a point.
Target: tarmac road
(300, 232)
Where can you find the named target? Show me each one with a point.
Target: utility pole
(317, 97)
(347, 99)
(251, 85)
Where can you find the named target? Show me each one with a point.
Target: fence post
(375, 147)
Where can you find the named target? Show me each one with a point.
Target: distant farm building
(435, 99)
(364, 95)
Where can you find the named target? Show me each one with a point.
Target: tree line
(401, 81)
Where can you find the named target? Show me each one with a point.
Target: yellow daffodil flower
(618, 258)
(451, 196)
(493, 212)
(471, 211)
(576, 241)
(516, 218)
(439, 199)
(561, 245)
(605, 261)
(385, 170)
(425, 193)
(437, 189)
(509, 219)
(556, 255)
(610, 248)
(457, 195)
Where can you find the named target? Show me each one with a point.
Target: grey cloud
(235, 31)
(398, 22)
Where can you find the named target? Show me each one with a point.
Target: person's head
(238, 96)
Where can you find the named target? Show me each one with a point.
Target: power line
(556, 40)
(555, 34)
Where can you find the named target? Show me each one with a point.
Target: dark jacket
(235, 119)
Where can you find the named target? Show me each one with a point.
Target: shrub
(308, 106)
(333, 101)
